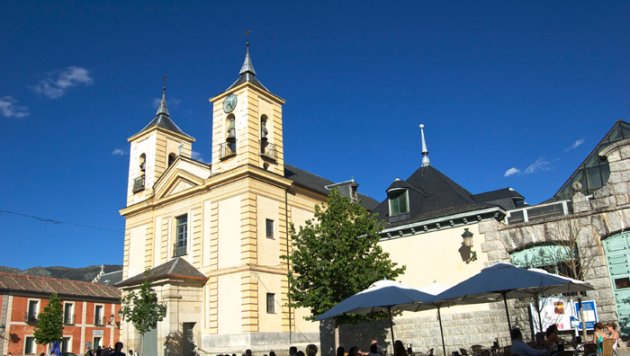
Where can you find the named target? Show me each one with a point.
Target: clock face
(229, 103)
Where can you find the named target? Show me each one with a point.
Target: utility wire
(57, 222)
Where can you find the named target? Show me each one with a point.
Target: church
(211, 236)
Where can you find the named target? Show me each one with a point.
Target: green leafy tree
(49, 326)
(335, 255)
(142, 309)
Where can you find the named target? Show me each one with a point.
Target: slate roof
(432, 195)
(498, 194)
(164, 121)
(318, 184)
(111, 278)
(176, 268)
(16, 283)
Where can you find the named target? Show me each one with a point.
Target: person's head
(540, 338)
(598, 326)
(551, 330)
(118, 346)
(292, 350)
(299, 353)
(374, 348)
(248, 352)
(272, 353)
(341, 351)
(353, 351)
(373, 342)
(311, 350)
(611, 326)
(516, 334)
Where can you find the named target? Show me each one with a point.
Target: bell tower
(153, 150)
(247, 124)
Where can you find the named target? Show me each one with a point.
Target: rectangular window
(398, 203)
(33, 310)
(68, 313)
(66, 346)
(181, 235)
(622, 282)
(29, 345)
(97, 342)
(98, 315)
(271, 303)
(269, 228)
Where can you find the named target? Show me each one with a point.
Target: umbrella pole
(538, 310)
(391, 324)
(507, 312)
(441, 331)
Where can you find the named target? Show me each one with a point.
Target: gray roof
(432, 195)
(111, 278)
(163, 119)
(498, 194)
(177, 268)
(318, 184)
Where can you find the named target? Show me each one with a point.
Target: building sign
(590, 313)
(97, 333)
(564, 313)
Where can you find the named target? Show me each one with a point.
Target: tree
(142, 309)
(49, 326)
(335, 255)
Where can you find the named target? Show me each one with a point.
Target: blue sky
(499, 85)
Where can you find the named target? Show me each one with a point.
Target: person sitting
(553, 340)
(399, 349)
(521, 348)
(613, 334)
(598, 337)
(374, 350)
(341, 351)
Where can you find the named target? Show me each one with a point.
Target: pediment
(181, 176)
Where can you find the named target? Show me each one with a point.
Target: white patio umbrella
(383, 295)
(503, 281)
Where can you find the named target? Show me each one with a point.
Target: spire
(247, 73)
(247, 66)
(425, 151)
(163, 109)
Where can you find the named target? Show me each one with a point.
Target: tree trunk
(337, 342)
(141, 344)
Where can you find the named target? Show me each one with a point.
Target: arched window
(143, 163)
(264, 133)
(171, 158)
(230, 129)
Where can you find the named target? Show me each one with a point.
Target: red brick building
(90, 313)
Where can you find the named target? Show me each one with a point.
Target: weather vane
(247, 33)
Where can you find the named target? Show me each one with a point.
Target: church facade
(212, 235)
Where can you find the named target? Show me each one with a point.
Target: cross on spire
(162, 108)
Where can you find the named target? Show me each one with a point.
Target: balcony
(539, 212)
(227, 150)
(138, 184)
(268, 150)
(179, 250)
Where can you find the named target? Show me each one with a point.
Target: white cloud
(10, 108)
(118, 152)
(56, 86)
(575, 144)
(512, 171)
(196, 156)
(540, 164)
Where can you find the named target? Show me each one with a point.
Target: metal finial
(162, 108)
(425, 152)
